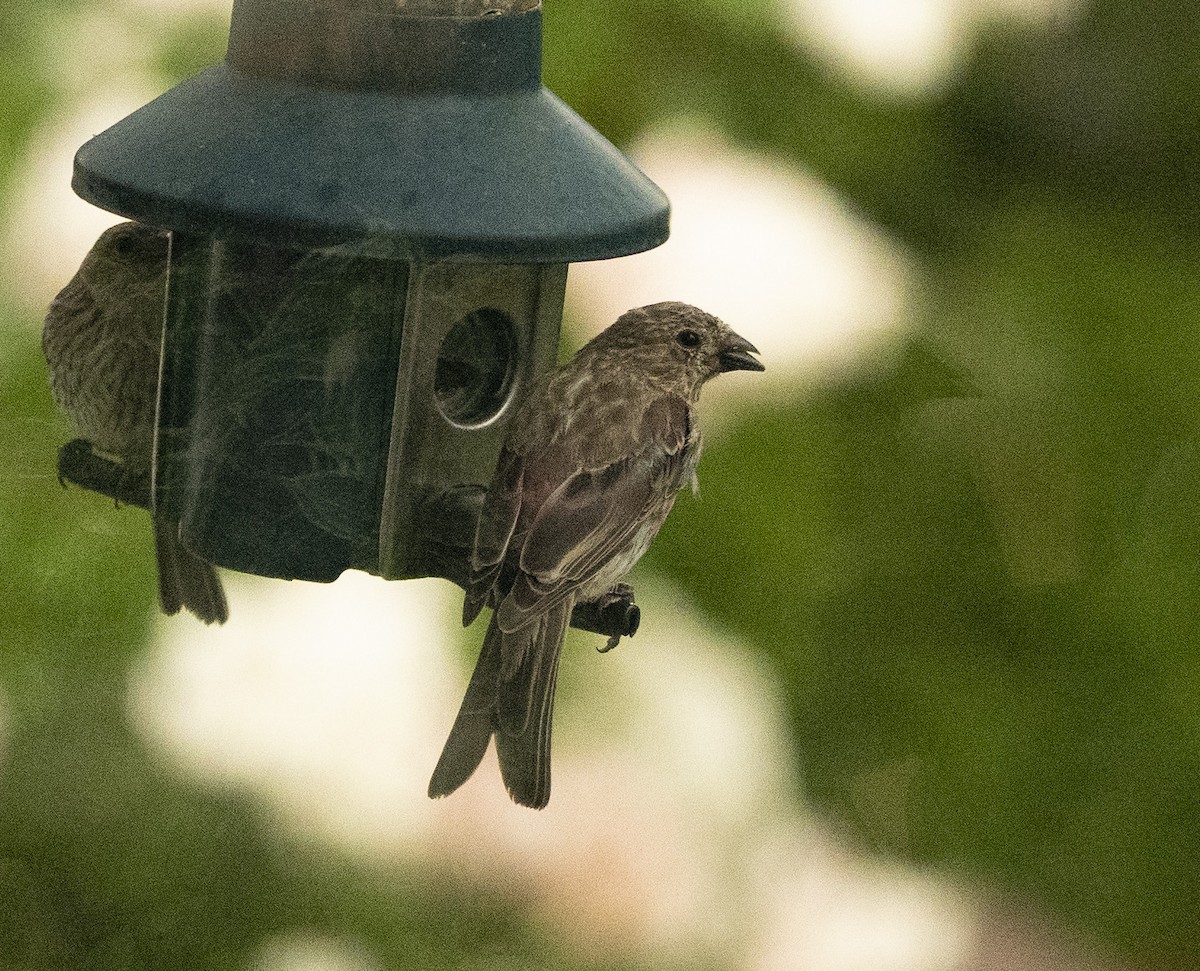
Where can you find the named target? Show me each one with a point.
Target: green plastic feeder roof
(332, 122)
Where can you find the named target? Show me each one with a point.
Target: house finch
(589, 470)
(102, 340)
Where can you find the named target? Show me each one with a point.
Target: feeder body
(372, 209)
(315, 405)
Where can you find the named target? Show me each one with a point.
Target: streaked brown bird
(591, 464)
(102, 341)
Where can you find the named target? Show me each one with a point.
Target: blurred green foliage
(976, 573)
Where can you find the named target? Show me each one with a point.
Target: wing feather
(598, 513)
(497, 520)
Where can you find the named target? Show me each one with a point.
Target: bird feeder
(372, 206)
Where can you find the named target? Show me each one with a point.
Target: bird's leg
(72, 457)
(619, 603)
(452, 516)
(79, 463)
(613, 614)
(620, 593)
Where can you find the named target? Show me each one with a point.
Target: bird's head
(683, 342)
(131, 247)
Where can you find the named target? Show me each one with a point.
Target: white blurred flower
(330, 699)
(766, 247)
(907, 47)
(674, 832)
(672, 763)
(311, 952)
(834, 912)
(50, 229)
(101, 61)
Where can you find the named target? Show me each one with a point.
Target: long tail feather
(516, 706)
(525, 755)
(473, 727)
(186, 580)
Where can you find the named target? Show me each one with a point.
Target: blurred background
(918, 682)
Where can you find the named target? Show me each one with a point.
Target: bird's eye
(688, 338)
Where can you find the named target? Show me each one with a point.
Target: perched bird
(589, 470)
(102, 340)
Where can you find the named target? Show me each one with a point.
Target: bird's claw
(619, 598)
(80, 464)
(71, 458)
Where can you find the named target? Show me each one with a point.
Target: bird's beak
(735, 355)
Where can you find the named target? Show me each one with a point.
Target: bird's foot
(72, 459)
(78, 462)
(618, 603)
